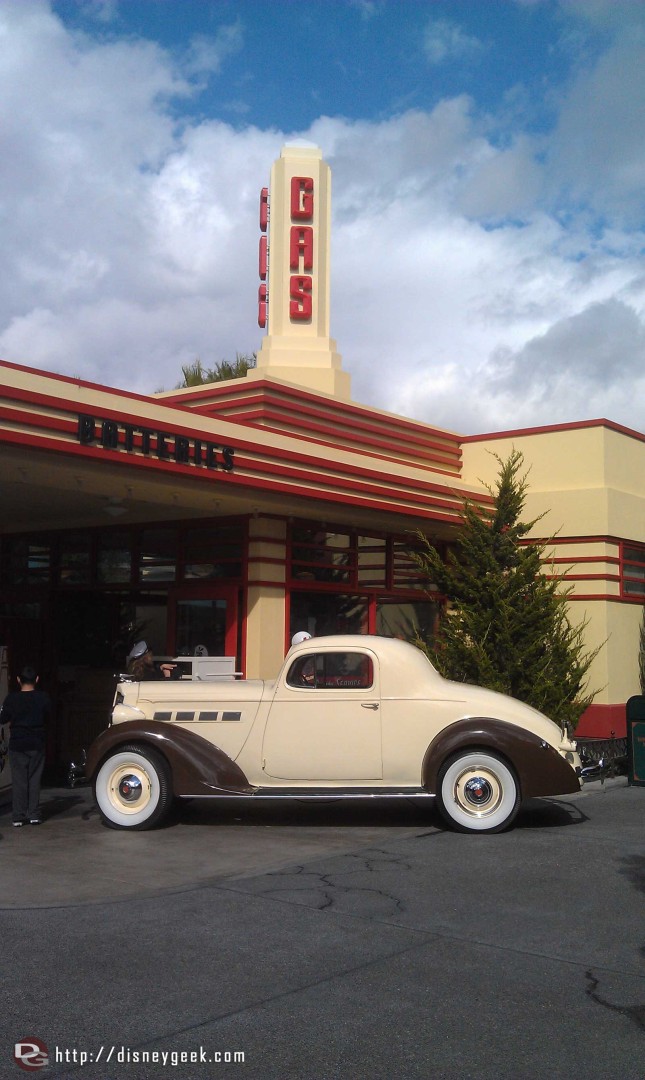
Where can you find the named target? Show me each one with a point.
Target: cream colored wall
(265, 623)
(590, 480)
(265, 632)
(591, 483)
(625, 463)
(623, 626)
(566, 477)
(614, 627)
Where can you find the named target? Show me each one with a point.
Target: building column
(266, 597)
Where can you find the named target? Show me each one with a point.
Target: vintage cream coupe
(347, 717)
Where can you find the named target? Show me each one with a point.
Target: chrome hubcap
(130, 788)
(478, 791)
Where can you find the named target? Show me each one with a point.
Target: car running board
(344, 793)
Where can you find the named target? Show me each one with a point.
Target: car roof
(397, 657)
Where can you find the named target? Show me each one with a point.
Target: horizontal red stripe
(348, 429)
(236, 479)
(239, 443)
(418, 432)
(586, 559)
(420, 459)
(345, 470)
(575, 425)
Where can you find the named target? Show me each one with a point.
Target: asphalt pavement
(327, 941)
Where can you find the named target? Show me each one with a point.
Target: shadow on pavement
(544, 814)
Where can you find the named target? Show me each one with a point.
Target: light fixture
(115, 507)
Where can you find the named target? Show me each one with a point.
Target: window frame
(322, 662)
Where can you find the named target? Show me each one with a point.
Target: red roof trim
(575, 425)
(423, 461)
(279, 453)
(241, 479)
(237, 395)
(436, 453)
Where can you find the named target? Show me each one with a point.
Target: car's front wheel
(133, 788)
(478, 792)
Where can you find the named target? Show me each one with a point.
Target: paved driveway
(329, 941)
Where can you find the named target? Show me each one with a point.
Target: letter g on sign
(31, 1054)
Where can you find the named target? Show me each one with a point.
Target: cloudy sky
(488, 160)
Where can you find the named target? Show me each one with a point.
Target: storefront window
(372, 561)
(21, 610)
(328, 613)
(407, 619)
(317, 555)
(405, 572)
(201, 627)
(214, 553)
(157, 557)
(75, 559)
(360, 561)
(634, 571)
(114, 559)
(26, 562)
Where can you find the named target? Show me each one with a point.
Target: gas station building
(223, 518)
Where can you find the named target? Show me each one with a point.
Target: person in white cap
(141, 665)
(307, 670)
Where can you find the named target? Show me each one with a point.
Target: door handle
(369, 704)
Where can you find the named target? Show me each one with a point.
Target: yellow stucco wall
(265, 622)
(589, 482)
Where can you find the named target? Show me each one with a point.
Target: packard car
(349, 717)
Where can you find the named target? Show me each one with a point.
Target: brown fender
(198, 767)
(540, 769)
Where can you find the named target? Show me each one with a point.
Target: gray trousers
(26, 772)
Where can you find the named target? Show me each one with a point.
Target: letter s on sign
(300, 293)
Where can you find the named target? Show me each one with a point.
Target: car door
(324, 723)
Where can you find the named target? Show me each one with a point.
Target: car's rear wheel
(478, 792)
(133, 788)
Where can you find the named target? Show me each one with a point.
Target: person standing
(28, 711)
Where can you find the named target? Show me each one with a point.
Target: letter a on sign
(302, 246)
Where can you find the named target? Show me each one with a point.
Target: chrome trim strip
(325, 797)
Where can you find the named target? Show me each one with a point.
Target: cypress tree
(506, 627)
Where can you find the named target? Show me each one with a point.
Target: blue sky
(292, 62)
(488, 168)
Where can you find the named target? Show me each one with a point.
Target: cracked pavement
(331, 941)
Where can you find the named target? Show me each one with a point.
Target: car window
(332, 671)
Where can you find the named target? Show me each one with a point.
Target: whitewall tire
(133, 789)
(478, 792)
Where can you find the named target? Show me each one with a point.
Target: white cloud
(477, 283)
(208, 53)
(445, 40)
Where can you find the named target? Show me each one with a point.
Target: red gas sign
(263, 259)
(301, 248)
(301, 251)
